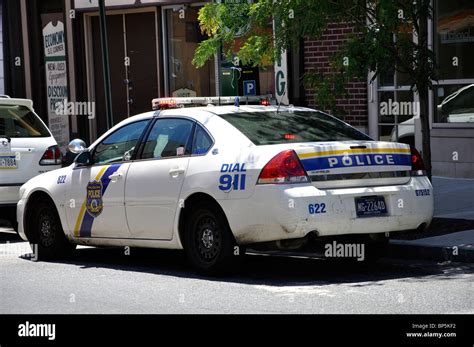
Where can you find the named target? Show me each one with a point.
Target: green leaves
(257, 50)
(205, 51)
(383, 39)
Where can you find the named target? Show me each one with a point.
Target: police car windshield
(267, 128)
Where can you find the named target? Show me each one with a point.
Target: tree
(382, 40)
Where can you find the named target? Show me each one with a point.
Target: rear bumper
(277, 212)
(9, 194)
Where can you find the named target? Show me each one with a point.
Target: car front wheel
(48, 234)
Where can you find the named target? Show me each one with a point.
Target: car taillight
(52, 156)
(417, 165)
(285, 167)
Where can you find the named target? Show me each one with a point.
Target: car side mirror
(83, 159)
(76, 146)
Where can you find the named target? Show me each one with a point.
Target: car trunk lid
(355, 163)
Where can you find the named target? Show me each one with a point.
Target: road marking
(287, 290)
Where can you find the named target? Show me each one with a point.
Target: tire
(208, 242)
(48, 234)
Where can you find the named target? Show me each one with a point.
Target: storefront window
(183, 36)
(454, 40)
(396, 114)
(454, 103)
(397, 108)
(246, 80)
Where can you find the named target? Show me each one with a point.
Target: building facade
(451, 36)
(52, 52)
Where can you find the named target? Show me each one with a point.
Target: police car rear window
(266, 128)
(19, 121)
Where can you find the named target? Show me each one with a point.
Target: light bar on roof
(160, 103)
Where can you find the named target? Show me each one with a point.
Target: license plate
(370, 206)
(8, 162)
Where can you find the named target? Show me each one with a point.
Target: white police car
(211, 179)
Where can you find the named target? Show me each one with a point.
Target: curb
(404, 250)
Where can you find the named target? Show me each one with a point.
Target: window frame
(434, 123)
(165, 40)
(433, 104)
(194, 137)
(134, 154)
(139, 152)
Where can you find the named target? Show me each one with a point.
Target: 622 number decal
(317, 208)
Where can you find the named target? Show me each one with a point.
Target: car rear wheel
(209, 244)
(48, 233)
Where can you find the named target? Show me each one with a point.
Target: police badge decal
(94, 198)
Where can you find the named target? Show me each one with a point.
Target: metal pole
(105, 63)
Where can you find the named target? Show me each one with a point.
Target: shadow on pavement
(272, 270)
(9, 236)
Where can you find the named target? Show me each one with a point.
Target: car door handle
(177, 172)
(115, 176)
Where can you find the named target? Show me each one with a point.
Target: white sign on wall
(281, 75)
(54, 43)
(281, 80)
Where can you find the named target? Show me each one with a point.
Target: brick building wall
(317, 54)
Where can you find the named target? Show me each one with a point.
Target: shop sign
(54, 43)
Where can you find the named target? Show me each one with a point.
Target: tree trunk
(425, 129)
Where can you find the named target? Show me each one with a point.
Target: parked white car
(458, 107)
(212, 179)
(27, 149)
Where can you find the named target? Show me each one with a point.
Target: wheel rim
(209, 238)
(46, 229)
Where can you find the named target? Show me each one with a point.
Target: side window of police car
(202, 141)
(169, 138)
(120, 145)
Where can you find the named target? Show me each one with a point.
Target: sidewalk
(454, 200)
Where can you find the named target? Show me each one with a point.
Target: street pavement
(105, 280)
(454, 198)
(430, 275)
